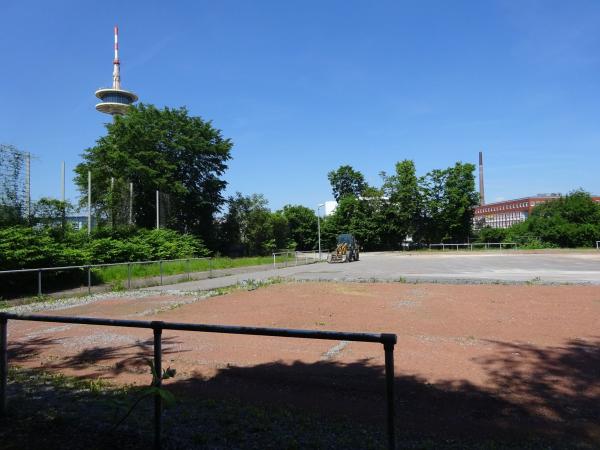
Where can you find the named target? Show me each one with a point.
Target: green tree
(281, 231)
(247, 227)
(461, 200)
(362, 218)
(51, 212)
(160, 149)
(570, 221)
(302, 223)
(432, 222)
(402, 212)
(449, 198)
(346, 181)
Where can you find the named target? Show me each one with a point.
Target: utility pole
(319, 227)
(28, 183)
(112, 202)
(62, 182)
(130, 203)
(481, 190)
(89, 202)
(62, 195)
(157, 211)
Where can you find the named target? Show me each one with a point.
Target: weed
(533, 281)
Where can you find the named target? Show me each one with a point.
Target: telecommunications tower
(115, 101)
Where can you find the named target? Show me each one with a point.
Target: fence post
(3, 363)
(187, 267)
(274, 266)
(39, 282)
(210, 267)
(128, 275)
(388, 347)
(160, 270)
(89, 270)
(157, 328)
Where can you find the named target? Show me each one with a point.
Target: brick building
(509, 212)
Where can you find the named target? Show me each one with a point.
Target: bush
(570, 221)
(24, 247)
(488, 234)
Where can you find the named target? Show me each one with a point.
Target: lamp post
(319, 227)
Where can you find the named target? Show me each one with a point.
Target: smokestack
(116, 62)
(481, 193)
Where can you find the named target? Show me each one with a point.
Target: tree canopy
(570, 221)
(346, 181)
(436, 207)
(158, 149)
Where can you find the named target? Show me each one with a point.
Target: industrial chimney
(481, 193)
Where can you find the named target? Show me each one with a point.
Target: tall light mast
(115, 101)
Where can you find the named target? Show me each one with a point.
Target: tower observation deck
(115, 101)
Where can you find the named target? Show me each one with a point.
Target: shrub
(26, 247)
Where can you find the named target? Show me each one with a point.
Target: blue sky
(303, 87)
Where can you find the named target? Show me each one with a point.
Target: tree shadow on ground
(532, 394)
(548, 394)
(31, 348)
(561, 383)
(106, 361)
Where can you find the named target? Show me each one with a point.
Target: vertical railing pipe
(157, 328)
(388, 347)
(160, 270)
(89, 277)
(3, 363)
(129, 275)
(39, 280)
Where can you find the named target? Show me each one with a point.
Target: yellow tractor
(345, 251)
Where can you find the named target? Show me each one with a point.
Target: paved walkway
(547, 267)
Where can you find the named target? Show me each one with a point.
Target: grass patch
(118, 275)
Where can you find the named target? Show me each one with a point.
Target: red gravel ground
(486, 360)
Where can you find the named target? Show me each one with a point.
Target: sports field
(475, 364)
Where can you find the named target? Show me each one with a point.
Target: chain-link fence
(15, 204)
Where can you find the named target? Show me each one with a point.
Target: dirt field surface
(472, 360)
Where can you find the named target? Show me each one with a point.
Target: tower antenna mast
(116, 100)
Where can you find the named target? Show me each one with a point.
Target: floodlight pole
(89, 230)
(157, 211)
(130, 203)
(319, 227)
(62, 182)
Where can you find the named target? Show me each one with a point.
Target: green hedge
(24, 247)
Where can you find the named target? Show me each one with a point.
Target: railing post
(39, 280)
(89, 276)
(388, 347)
(3, 363)
(160, 270)
(157, 328)
(128, 275)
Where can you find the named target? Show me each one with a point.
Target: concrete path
(480, 267)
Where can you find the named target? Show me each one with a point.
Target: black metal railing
(387, 340)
